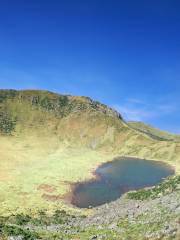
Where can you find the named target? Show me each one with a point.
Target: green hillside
(154, 132)
(47, 139)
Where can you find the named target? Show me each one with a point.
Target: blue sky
(123, 53)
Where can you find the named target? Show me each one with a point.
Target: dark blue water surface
(117, 177)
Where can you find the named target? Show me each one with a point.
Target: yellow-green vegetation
(166, 187)
(154, 132)
(48, 141)
(35, 179)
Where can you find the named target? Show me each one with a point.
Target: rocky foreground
(152, 213)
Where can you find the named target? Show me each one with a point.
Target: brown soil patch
(46, 188)
(52, 198)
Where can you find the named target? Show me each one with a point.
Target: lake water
(117, 177)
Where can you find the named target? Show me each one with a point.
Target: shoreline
(68, 197)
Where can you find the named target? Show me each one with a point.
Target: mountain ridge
(77, 119)
(154, 132)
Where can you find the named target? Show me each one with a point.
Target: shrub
(63, 101)
(57, 105)
(17, 231)
(7, 124)
(46, 103)
(7, 94)
(21, 219)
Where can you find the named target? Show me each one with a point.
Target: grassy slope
(154, 132)
(57, 139)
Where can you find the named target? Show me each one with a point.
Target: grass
(154, 132)
(166, 187)
(31, 165)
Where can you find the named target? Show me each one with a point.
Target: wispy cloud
(134, 113)
(135, 100)
(139, 110)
